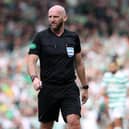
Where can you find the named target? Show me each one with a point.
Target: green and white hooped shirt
(116, 88)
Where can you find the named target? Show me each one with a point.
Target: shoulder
(106, 79)
(70, 33)
(121, 75)
(107, 75)
(43, 32)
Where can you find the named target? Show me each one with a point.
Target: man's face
(113, 67)
(56, 19)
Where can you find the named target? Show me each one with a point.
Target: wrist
(85, 87)
(33, 77)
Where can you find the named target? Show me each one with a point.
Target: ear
(65, 18)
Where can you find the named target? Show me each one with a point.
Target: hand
(37, 84)
(84, 95)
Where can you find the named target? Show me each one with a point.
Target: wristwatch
(85, 87)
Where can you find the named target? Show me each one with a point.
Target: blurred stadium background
(103, 26)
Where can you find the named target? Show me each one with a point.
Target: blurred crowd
(103, 27)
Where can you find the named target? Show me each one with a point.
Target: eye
(56, 16)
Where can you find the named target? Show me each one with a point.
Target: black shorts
(53, 98)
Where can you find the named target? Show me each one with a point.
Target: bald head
(57, 17)
(59, 9)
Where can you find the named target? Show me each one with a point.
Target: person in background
(115, 85)
(59, 54)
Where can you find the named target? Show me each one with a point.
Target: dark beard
(57, 29)
(113, 72)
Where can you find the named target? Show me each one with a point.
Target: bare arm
(80, 69)
(32, 70)
(82, 76)
(31, 64)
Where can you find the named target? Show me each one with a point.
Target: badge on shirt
(70, 51)
(32, 45)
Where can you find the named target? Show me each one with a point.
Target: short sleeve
(34, 46)
(106, 79)
(77, 45)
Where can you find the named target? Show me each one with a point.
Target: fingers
(38, 87)
(84, 99)
(84, 96)
(37, 84)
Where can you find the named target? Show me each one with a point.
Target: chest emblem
(70, 51)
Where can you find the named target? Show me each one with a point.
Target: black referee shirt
(56, 55)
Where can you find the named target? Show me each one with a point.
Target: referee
(59, 53)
